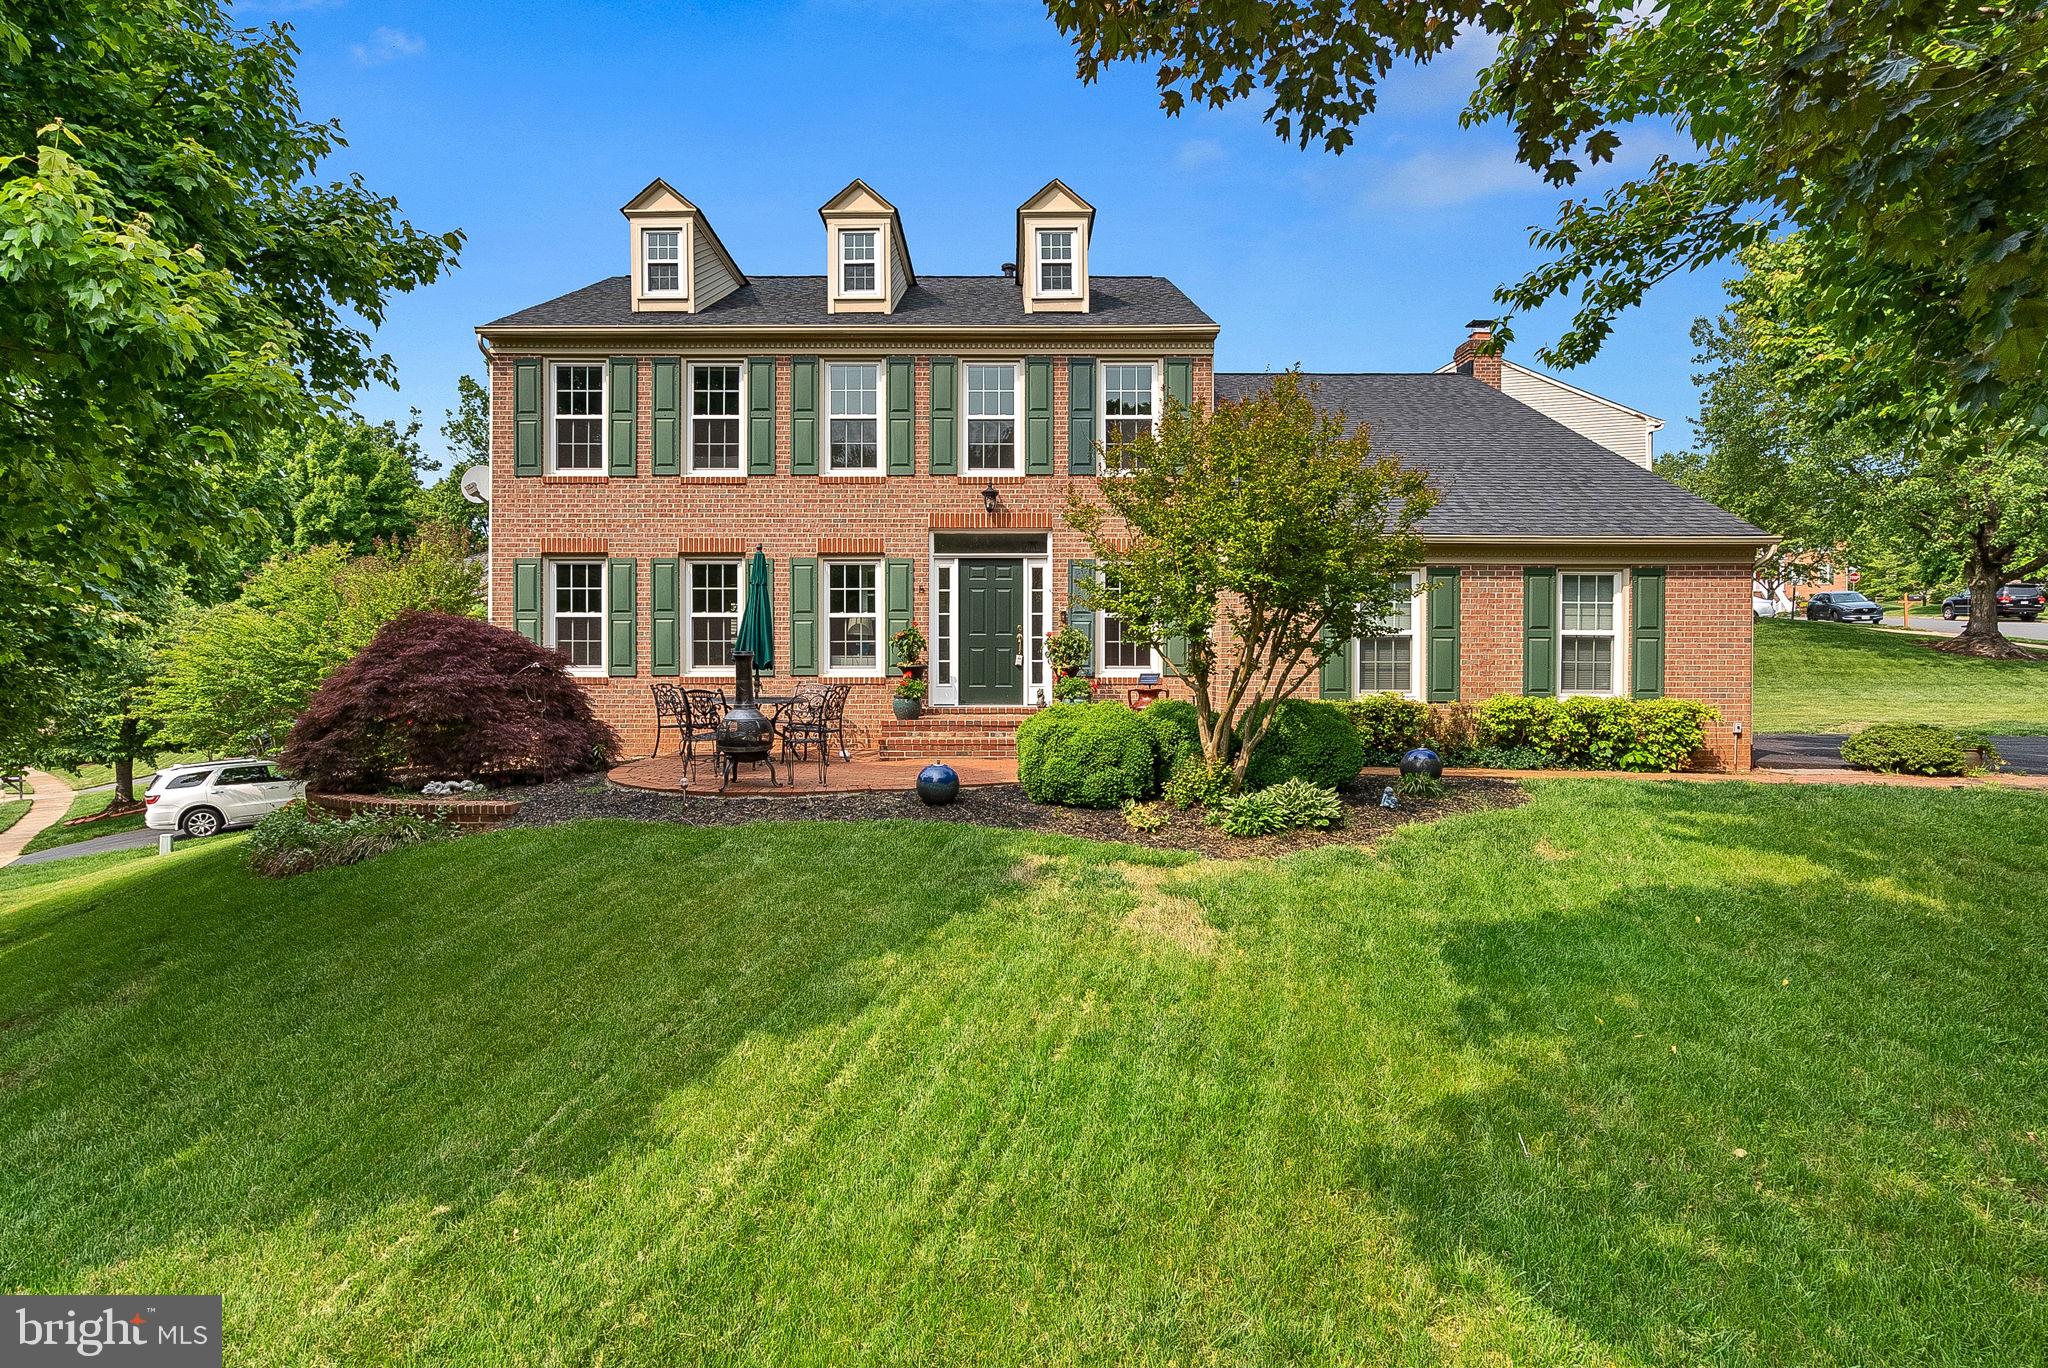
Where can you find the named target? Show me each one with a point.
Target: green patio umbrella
(757, 623)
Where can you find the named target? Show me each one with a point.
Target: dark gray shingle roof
(1501, 468)
(935, 301)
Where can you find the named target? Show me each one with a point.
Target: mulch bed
(1004, 805)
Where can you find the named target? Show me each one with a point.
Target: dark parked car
(2023, 601)
(1842, 605)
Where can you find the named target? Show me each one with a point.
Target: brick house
(901, 447)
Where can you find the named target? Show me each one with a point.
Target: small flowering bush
(293, 840)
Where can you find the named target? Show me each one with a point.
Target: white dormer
(678, 264)
(867, 262)
(1053, 228)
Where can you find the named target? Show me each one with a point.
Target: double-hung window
(1056, 261)
(853, 617)
(714, 608)
(576, 612)
(1129, 405)
(1122, 652)
(661, 252)
(1586, 631)
(1386, 659)
(992, 417)
(852, 390)
(859, 270)
(579, 417)
(715, 418)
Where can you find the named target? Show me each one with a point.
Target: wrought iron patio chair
(802, 723)
(702, 708)
(670, 714)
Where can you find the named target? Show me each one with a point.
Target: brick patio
(865, 773)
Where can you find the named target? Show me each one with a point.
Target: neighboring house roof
(1507, 365)
(934, 301)
(1504, 470)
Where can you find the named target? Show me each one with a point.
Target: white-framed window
(991, 427)
(860, 269)
(716, 429)
(1119, 652)
(1056, 261)
(852, 398)
(661, 259)
(578, 426)
(1041, 605)
(942, 623)
(1387, 659)
(1588, 622)
(1130, 405)
(712, 604)
(853, 617)
(576, 612)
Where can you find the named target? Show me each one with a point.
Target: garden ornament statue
(1387, 798)
(938, 784)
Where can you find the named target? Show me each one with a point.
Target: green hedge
(1388, 725)
(1598, 733)
(1313, 741)
(1914, 748)
(1176, 732)
(1093, 755)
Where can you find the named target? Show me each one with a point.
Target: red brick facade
(648, 517)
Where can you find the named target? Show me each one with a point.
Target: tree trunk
(124, 763)
(1981, 635)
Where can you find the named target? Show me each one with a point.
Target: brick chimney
(1472, 357)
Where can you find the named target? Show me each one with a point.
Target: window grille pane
(856, 262)
(853, 444)
(1386, 664)
(1588, 602)
(663, 250)
(1587, 665)
(942, 642)
(1055, 262)
(715, 422)
(1119, 650)
(991, 443)
(577, 638)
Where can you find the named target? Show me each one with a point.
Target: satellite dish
(476, 484)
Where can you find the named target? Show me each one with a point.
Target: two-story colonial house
(901, 446)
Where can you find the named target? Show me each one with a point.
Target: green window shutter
(1336, 680)
(625, 425)
(1176, 652)
(1443, 634)
(667, 417)
(526, 428)
(1081, 416)
(1080, 579)
(803, 615)
(664, 617)
(761, 416)
(945, 435)
(1646, 633)
(803, 417)
(1038, 415)
(902, 393)
(1180, 380)
(1539, 631)
(622, 610)
(898, 602)
(526, 599)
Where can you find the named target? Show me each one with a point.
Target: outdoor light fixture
(989, 497)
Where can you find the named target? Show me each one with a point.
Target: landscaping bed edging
(469, 814)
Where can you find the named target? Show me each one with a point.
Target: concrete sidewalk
(52, 800)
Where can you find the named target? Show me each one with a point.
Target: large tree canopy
(1910, 137)
(175, 281)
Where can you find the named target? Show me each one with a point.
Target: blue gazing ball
(1423, 760)
(938, 784)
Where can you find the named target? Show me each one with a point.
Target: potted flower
(1068, 650)
(1073, 689)
(909, 700)
(908, 647)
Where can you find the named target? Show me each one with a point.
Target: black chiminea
(744, 734)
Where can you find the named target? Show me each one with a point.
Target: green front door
(991, 631)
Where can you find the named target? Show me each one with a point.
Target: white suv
(200, 800)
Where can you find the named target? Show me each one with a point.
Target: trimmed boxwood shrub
(1388, 725)
(443, 697)
(1914, 748)
(1312, 741)
(1094, 755)
(1176, 731)
(1650, 734)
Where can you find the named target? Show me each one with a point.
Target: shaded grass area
(84, 805)
(13, 810)
(1834, 677)
(1636, 1073)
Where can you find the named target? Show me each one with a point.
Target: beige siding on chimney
(1623, 431)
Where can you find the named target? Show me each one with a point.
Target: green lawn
(1637, 1073)
(13, 810)
(84, 805)
(1834, 677)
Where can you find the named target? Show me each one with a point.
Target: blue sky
(528, 125)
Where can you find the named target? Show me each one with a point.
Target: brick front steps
(953, 731)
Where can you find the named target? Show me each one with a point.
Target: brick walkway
(864, 773)
(52, 801)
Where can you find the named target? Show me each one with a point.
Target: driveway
(2012, 627)
(98, 845)
(1810, 751)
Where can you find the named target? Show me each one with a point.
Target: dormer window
(1056, 261)
(661, 250)
(859, 270)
